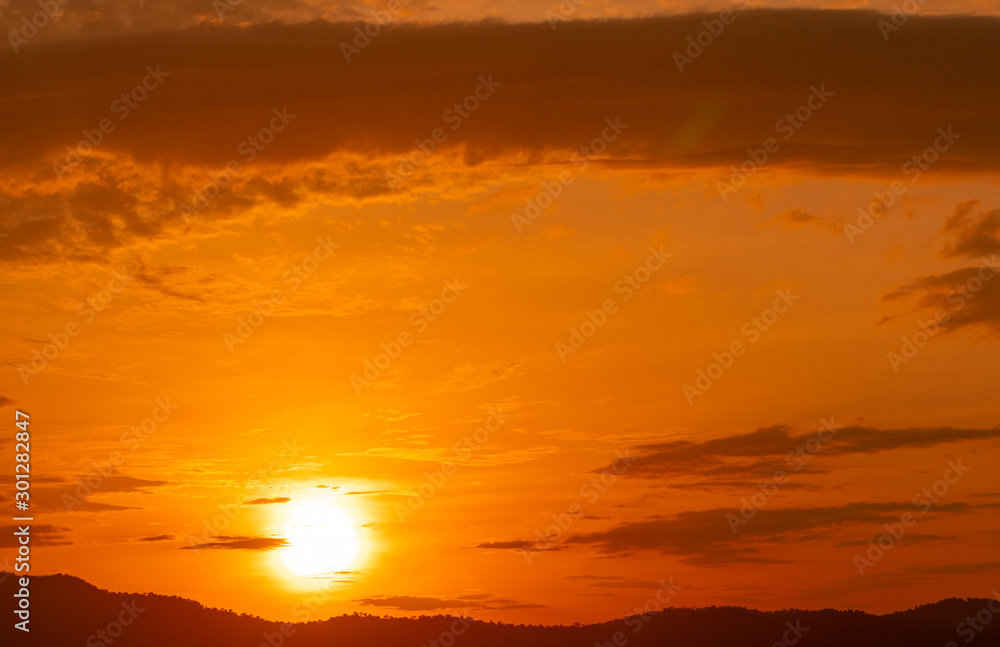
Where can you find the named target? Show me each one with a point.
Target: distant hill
(67, 612)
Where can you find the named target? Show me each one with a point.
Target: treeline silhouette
(69, 612)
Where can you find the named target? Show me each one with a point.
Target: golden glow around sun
(323, 538)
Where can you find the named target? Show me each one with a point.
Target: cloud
(103, 17)
(973, 568)
(793, 218)
(264, 501)
(223, 83)
(470, 602)
(41, 535)
(909, 576)
(68, 498)
(966, 297)
(602, 581)
(129, 484)
(976, 231)
(910, 538)
(158, 538)
(557, 232)
(227, 542)
(473, 375)
(517, 544)
(159, 278)
(733, 461)
(681, 285)
(211, 64)
(482, 457)
(705, 538)
(60, 495)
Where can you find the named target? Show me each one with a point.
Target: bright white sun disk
(322, 537)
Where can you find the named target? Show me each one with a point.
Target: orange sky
(489, 299)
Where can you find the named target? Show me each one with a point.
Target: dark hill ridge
(68, 612)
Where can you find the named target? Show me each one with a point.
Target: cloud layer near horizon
(102, 17)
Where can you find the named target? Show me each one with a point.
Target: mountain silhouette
(69, 612)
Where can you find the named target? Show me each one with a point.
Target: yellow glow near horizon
(323, 538)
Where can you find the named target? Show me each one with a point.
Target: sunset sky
(478, 313)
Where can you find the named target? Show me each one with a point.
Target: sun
(322, 538)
